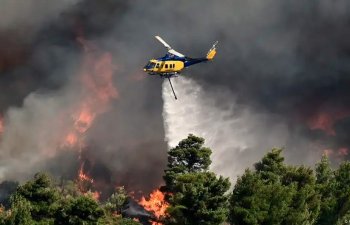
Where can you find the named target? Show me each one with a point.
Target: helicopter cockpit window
(150, 65)
(157, 65)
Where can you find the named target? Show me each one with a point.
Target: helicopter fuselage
(170, 65)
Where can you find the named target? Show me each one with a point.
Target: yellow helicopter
(172, 64)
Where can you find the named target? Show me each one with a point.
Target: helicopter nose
(144, 70)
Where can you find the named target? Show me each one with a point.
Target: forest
(268, 192)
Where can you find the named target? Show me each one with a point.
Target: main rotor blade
(172, 51)
(163, 42)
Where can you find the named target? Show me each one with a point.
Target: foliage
(196, 196)
(275, 194)
(80, 210)
(41, 195)
(7, 188)
(341, 191)
(116, 201)
(269, 194)
(20, 212)
(199, 198)
(326, 187)
(189, 156)
(109, 219)
(69, 189)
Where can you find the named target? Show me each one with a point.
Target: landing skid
(169, 75)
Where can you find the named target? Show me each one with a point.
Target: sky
(279, 80)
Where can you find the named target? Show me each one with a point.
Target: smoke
(279, 79)
(31, 15)
(237, 135)
(59, 85)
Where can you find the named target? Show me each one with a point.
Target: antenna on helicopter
(171, 85)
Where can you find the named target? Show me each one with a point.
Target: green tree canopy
(196, 196)
(275, 194)
(199, 198)
(116, 201)
(80, 210)
(41, 195)
(20, 212)
(189, 156)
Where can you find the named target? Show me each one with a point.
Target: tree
(69, 189)
(333, 187)
(20, 212)
(116, 201)
(199, 198)
(305, 206)
(271, 167)
(326, 188)
(108, 220)
(275, 194)
(342, 192)
(41, 195)
(189, 156)
(195, 195)
(80, 210)
(7, 188)
(256, 202)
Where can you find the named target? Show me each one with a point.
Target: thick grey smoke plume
(236, 134)
(279, 79)
(31, 13)
(44, 90)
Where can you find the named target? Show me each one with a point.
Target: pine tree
(196, 196)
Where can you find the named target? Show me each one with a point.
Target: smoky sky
(125, 146)
(284, 60)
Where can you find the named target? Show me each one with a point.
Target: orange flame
(83, 176)
(97, 91)
(325, 121)
(340, 153)
(71, 139)
(343, 151)
(328, 152)
(156, 204)
(84, 120)
(96, 195)
(1, 125)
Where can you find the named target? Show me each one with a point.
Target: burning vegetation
(156, 204)
(75, 105)
(193, 195)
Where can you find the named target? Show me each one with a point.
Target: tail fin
(212, 52)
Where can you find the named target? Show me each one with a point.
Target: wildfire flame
(338, 153)
(82, 176)
(325, 121)
(1, 125)
(343, 151)
(156, 204)
(97, 91)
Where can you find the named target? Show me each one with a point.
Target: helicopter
(173, 63)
